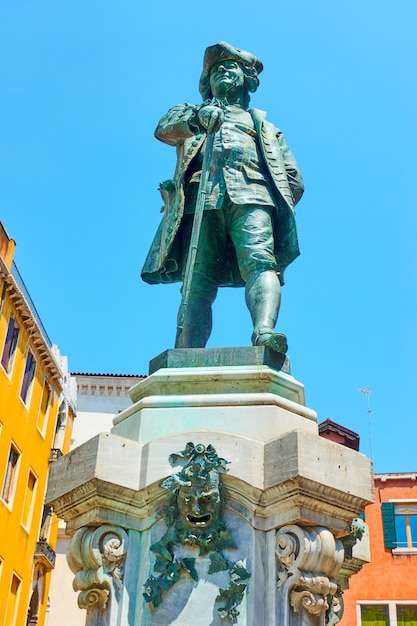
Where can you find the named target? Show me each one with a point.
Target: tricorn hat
(222, 51)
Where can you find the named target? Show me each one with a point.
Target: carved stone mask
(199, 506)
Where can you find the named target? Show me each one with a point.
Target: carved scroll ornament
(308, 561)
(96, 557)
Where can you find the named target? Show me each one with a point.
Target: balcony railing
(55, 454)
(45, 554)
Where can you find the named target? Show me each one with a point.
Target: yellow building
(37, 399)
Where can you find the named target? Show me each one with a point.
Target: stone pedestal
(290, 497)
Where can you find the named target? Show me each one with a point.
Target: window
(400, 525)
(406, 525)
(60, 426)
(13, 601)
(46, 522)
(374, 615)
(11, 475)
(406, 615)
(28, 376)
(9, 349)
(3, 297)
(388, 614)
(44, 406)
(29, 499)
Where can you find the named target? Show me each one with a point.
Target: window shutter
(388, 521)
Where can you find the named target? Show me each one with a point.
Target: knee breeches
(250, 229)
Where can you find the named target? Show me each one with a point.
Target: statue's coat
(165, 259)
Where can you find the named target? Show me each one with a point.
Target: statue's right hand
(211, 118)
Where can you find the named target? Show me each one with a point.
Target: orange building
(37, 399)
(384, 592)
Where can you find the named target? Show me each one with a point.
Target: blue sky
(83, 85)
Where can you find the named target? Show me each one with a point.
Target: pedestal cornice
(297, 478)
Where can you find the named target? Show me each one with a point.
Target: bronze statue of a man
(248, 233)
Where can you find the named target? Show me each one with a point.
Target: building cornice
(105, 384)
(30, 323)
(396, 476)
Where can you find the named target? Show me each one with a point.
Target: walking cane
(195, 235)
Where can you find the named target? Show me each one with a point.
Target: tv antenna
(367, 392)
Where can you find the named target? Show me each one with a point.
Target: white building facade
(100, 397)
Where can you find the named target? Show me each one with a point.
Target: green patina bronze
(334, 612)
(232, 196)
(220, 357)
(194, 516)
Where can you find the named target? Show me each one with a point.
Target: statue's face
(226, 77)
(199, 507)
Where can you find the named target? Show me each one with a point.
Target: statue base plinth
(242, 391)
(220, 357)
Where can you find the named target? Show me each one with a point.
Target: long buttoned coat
(166, 259)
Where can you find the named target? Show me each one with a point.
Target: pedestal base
(290, 496)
